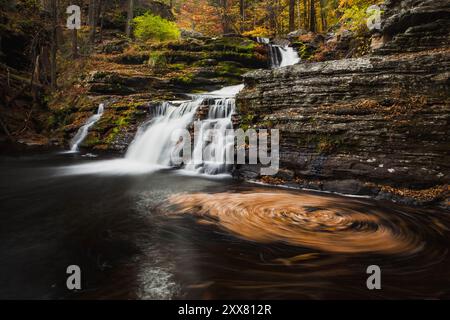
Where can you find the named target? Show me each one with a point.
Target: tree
(312, 15)
(291, 15)
(200, 16)
(242, 13)
(130, 14)
(54, 42)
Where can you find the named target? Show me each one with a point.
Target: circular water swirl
(301, 219)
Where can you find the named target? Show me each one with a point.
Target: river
(169, 234)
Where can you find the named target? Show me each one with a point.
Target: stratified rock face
(415, 25)
(378, 119)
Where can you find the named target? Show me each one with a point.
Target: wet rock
(297, 33)
(349, 186)
(381, 119)
(286, 175)
(191, 34)
(411, 26)
(114, 47)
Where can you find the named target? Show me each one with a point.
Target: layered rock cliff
(364, 125)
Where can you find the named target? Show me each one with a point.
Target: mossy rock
(235, 44)
(133, 59)
(230, 69)
(115, 47)
(206, 63)
(92, 139)
(251, 60)
(111, 89)
(305, 50)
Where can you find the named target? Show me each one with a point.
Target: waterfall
(213, 131)
(83, 131)
(280, 56)
(154, 143)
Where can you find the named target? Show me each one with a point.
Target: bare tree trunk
(45, 63)
(272, 16)
(312, 19)
(323, 14)
(242, 13)
(102, 8)
(130, 15)
(305, 14)
(291, 15)
(54, 44)
(90, 12)
(93, 22)
(74, 43)
(226, 25)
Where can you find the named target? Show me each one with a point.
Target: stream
(165, 235)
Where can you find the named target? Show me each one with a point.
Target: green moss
(184, 79)
(267, 124)
(247, 121)
(229, 68)
(111, 137)
(51, 122)
(176, 66)
(91, 140)
(157, 60)
(234, 44)
(305, 51)
(322, 143)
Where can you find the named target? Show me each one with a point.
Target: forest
(211, 18)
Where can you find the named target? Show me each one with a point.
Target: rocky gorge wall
(133, 78)
(374, 125)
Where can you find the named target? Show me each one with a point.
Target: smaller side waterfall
(83, 131)
(280, 56)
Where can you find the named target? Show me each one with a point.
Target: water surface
(143, 232)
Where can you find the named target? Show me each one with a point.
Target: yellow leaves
(438, 192)
(258, 32)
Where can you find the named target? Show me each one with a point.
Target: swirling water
(163, 235)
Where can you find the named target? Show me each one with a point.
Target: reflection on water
(162, 235)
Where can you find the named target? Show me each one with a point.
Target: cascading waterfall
(210, 151)
(280, 56)
(155, 145)
(83, 131)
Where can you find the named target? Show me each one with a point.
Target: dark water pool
(117, 224)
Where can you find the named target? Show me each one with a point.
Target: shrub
(258, 32)
(151, 27)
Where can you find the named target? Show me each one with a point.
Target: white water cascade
(83, 131)
(280, 56)
(219, 120)
(154, 145)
